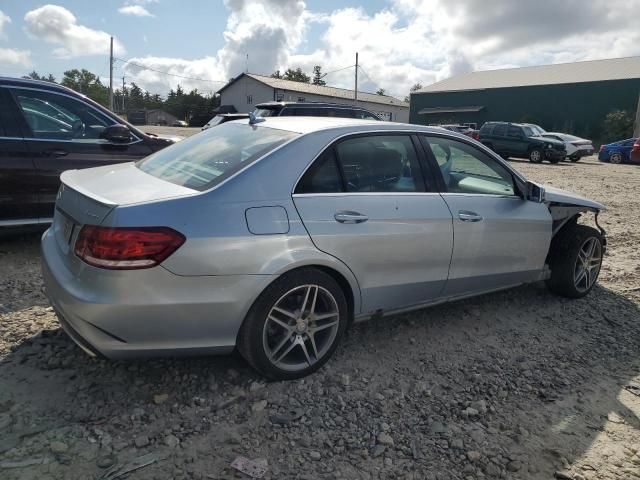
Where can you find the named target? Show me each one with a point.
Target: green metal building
(569, 97)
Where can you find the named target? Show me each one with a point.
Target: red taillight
(636, 146)
(126, 248)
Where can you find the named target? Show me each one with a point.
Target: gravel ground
(519, 384)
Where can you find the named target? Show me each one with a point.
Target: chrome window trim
(73, 98)
(366, 194)
(491, 153)
(25, 221)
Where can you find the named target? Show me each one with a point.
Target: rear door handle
(467, 216)
(55, 153)
(350, 217)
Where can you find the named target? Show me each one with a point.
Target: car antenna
(253, 118)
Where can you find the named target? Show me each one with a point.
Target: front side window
(201, 161)
(465, 169)
(53, 116)
(500, 130)
(514, 132)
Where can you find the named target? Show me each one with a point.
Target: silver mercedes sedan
(272, 236)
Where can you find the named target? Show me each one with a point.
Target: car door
(63, 133)
(18, 198)
(500, 239)
(516, 143)
(365, 202)
(499, 138)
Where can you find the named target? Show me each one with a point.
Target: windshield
(203, 160)
(267, 112)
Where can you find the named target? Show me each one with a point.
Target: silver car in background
(273, 235)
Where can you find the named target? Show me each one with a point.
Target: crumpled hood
(556, 195)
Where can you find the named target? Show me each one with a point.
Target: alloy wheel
(536, 156)
(301, 327)
(616, 158)
(587, 264)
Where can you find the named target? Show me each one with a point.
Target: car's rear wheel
(536, 155)
(616, 158)
(295, 325)
(575, 261)
(574, 158)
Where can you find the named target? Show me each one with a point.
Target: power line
(143, 67)
(376, 84)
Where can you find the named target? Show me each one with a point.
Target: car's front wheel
(295, 325)
(536, 155)
(575, 260)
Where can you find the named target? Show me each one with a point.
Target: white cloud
(135, 10)
(57, 25)
(15, 57)
(408, 41)
(4, 20)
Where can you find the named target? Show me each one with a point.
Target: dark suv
(312, 109)
(45, 129)
(521, 141)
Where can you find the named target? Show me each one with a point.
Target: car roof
(305, 125)
(41, 84)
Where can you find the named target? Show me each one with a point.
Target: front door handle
(467, 216)
(55, 153)
(350, 217)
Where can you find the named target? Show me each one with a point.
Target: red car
(635, 152)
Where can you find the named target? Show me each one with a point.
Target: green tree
(296, 75)
(35, 76)
(618, 124)
(317, 76)
(87, 83)
(275, 74)
(380, 91)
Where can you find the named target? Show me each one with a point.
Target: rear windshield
(201, 161)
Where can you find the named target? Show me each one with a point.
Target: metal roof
(577, 72)
(436, 110)
(301, 87)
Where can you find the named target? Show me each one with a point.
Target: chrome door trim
(73, 98)
(25, 221)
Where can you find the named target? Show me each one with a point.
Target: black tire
(536, 155)
(555, 160)
(616, 158)
(250, 338)
(563, 260)
(574, 159)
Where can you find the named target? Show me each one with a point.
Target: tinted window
(267, 112)
(58, 117)
(515, 132)
(486, 129)
(323, 176)
(500, 130)
(465, 169)
(380, 164)
(207, 158)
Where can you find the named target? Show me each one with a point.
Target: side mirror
(117, 133)
(535, 193)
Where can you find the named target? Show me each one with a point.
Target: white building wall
(247, 88)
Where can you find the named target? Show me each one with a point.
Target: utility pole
(355, 98)
(246, 68)
(123, 94)
(111, 76)
(636, 124)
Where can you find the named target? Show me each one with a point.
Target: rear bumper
(143, 313)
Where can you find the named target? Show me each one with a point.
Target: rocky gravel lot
(519, 384)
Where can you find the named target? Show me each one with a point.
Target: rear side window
(201, 161)
(267, 112)
(323, 176)
(486, 129)
(500, 130)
